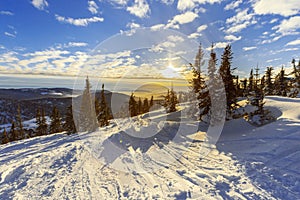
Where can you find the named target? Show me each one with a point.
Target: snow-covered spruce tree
(5, 138)
(269, 87)
(140, 106)
(38, 120)
(55, 124)
(295, 82)
(132, 106)
(104, 113)
(21, 132)
(171, 101)
(146, 107)
(281, 84)
(214, 101)
(227, 77)
(199, 87)
(251, 82)
(87, 117)
(69, 124)
(13, 133)
(151, 102)
(44, 125)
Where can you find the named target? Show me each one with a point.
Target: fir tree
(295, 82)
(269, 84)
(87, 118)
(151, 102)
(104, 113)
(20, 124)
(43, 125)
(132, 106)
(69, 124)
(171, 101)
(280, 83)
(55, 124)
(13, 132)
(146, 106)
(5, 138)
(38, 120)
(251, 82)
(199, 86)
(215, 102)
(140, 106)
(244, 85)
(225, 72)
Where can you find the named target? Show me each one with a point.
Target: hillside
(114, 162)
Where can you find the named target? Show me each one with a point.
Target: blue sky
(57, 37)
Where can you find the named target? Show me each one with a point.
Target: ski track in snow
(247, 163)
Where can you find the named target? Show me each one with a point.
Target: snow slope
(247, 163)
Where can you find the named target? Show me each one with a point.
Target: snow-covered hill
(113, 163)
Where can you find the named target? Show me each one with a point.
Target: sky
(64, 37)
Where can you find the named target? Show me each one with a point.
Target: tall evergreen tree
(21, 134)
(227, 77)
(199, 86)
(55, 124)
(13, 132)
(215, 102)
(171, 101)
(132, 106)
(280, 83)
(251, 82)
(295, 82)
(151, 102)
(38, 120)
(44, 125)
(104, 114)
(146, 106)
(69, 124)
(5, 138)
(269, 87)
(140, 106)
(87, 117)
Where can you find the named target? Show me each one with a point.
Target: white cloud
(249, 48)
(294, 42)
(157, 27)
(273, 20)
(140, 8)
(220, 45)
(240, 21)
(240, 17)
(39, 4)
(79, 21)
(237, 28)
(92, 7)
(288, 26)
(168, 2)
(184, 5)
(233, 5)
(119, 2)
(198, 33)
(202, 28)
(194, 35)
(272, 60)
(281, 7)
(232, 37)
(76, 44)
(184, 18)
(3, 12)
(10, 34)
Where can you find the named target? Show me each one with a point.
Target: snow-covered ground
(112, 163)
